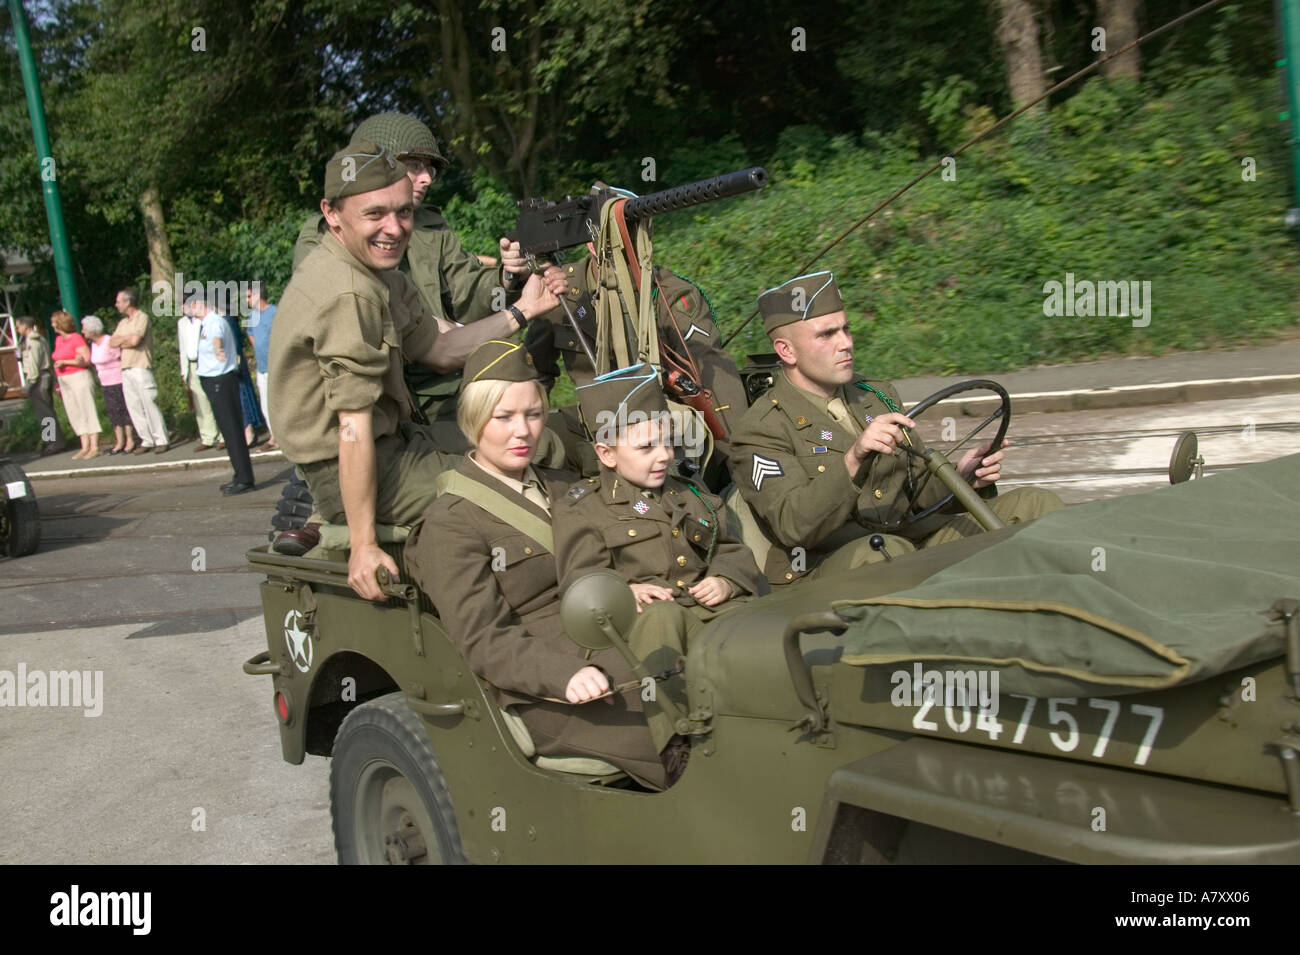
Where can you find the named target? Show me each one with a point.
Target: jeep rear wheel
(20, 518)
(387, 795)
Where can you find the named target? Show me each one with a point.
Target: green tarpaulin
(1134, 593)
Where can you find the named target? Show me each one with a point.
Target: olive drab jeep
(994, 699)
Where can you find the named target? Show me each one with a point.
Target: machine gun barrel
(696, 193)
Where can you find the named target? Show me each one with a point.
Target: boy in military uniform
(664, 535)
(348, 317)
(817, 458)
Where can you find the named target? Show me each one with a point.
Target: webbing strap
(494, 502)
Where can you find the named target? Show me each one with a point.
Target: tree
(1018, 35)
(1119, 18)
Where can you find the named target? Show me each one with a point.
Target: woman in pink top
(108, 363)
(76, 382)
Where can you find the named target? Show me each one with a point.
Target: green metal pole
(1290, 64)
(46, 165)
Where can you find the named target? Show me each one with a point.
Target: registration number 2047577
(1064, 720)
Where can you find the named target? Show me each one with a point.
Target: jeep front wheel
(387, 795)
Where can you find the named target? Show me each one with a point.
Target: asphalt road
(118, 586)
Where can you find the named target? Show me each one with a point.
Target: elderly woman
(108, 366)
(483, 553)
(76, 382)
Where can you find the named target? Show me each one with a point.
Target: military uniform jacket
(453, 284)
(36, 356)
(685, 322)
(496, 590)
(606, 523)
(787, 456)
(337, 345)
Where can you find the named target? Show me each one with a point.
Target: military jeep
(1116, 682)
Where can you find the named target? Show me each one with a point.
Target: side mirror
(1185, 463)
(594, 605)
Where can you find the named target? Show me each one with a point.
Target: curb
(1130, 396)
(190, 464)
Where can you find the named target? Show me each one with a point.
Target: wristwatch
(520, 321)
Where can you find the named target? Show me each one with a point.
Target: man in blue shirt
(259, 329)
(219, 376)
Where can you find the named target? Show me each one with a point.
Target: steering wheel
(934, 461)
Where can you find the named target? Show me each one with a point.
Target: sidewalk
(1110, 383)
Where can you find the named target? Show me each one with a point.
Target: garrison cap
(499, 360)
(402, 135)
(803, 297)
(620, 394)
(360, 166)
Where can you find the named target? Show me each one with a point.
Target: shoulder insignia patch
(764, 468)
(578, 490)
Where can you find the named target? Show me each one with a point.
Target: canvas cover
(1130, 594)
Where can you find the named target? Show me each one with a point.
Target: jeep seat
(602, 771)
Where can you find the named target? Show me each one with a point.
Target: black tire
(387, 795)
(20, 518)
(293, 508)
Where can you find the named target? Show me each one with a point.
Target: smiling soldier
(348, 317)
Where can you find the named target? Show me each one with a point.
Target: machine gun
(546, 227)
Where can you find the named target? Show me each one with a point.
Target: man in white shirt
(187, 340)
(218, 374)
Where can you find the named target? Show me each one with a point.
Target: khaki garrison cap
(359, 167)
(498, 360)
(803, 297)
(621, 397)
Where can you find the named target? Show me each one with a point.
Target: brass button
(681, 583)
(631, 532)
(801, 421)
(697, 537)
(528, 550)
(570, 269)
(789, 576)
(821, 467)
(878, 493)
(681, 561)
(573, 291)
(676, 532)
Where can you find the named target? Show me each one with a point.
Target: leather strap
(494, 502)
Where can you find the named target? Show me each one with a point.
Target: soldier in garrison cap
(347, 320)
(452, 282)
(665, 535)
(798, 452)
(484, 553)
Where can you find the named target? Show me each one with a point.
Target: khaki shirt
(136, 323)
(662, 539)
(36, 356)
(787, 456)
(337, 345)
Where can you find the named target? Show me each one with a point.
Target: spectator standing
(250, 412)
(40, 383)
(219, 375)
(187, 342)
(108, 365)
(134, 336)
(76, 382)
(259, 329)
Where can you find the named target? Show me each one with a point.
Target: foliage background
(1118, 179)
